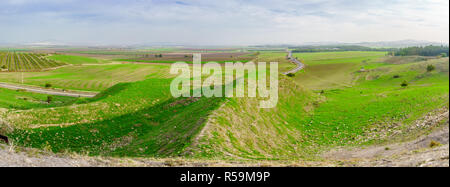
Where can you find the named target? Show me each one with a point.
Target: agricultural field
(20, 62)
(74, 59)
(334, 69)
(331, 103)
(187, 57)
(88, 77)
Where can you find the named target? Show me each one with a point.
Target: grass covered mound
(134, 119)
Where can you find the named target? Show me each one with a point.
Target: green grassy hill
(142, 119)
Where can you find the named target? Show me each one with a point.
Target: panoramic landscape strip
(225, 92)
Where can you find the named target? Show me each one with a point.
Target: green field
(22, 100)
(164, 61)
(331, 103)
(338, 57)
(333, 69)
(88, 77)
(74, 59)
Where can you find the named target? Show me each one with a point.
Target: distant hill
(400, 43)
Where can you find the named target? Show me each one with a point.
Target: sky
(221, 22)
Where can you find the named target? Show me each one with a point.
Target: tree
(430, 68)
(423, 51)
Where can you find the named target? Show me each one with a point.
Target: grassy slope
(241, 130)
(138, 119)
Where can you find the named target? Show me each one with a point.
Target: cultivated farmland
(14, 62)
(88, 77)
(187, 57)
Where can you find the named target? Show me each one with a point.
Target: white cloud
(222, 22)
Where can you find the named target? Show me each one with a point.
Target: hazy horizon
(232, 22)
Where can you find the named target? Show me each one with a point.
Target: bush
(430, 68)
(291, 75)
(404, 84)
(49, 99)
(48, 85)
(3, 67)
(396, 76)
(434, 144)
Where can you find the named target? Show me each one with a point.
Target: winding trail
(47, 91)
(299, 67)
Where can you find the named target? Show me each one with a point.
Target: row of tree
(423, 51)
(337, 48)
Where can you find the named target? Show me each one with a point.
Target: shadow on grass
(105, 94)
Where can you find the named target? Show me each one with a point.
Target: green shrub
(291, 75)
(48, 85)
(430, 68)
(49, 99)
(404, 84)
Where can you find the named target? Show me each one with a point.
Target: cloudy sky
(222, 22)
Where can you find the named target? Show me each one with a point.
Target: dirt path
(47, 91)
(299, 67)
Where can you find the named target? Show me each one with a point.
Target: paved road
(47, 91)
(299, 67)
